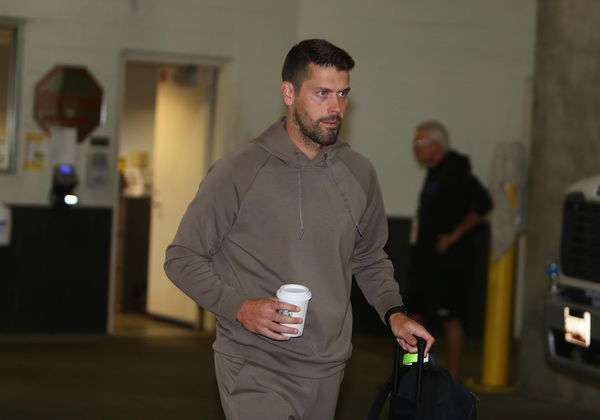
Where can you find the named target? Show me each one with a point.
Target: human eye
(343, 93)
(321, 93)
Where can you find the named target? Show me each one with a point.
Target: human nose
(335, 105)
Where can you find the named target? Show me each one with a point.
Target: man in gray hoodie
(296, 205)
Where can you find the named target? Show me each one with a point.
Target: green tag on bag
(410, 358)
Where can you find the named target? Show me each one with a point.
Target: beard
(312, 130)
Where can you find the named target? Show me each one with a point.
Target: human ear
(287, 93)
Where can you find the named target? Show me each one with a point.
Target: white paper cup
(298, 295)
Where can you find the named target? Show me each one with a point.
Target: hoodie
(268, 215)
(449, 192)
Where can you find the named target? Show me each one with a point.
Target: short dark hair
(316, 51)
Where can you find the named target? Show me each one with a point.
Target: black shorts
(438, 288)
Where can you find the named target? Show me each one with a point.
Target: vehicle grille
(580, 242)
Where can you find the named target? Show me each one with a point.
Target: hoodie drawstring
(344, 197)
(300, 203)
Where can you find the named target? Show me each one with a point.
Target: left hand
(406, 330)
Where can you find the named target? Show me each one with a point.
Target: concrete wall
(565, 148)
(464, 62)
(250, 37)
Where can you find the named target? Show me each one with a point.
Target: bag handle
(397, 363)
(421, 343)
(391, 385)
(420, 357)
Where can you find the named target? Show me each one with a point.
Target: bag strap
(380, 399)
(392, 383)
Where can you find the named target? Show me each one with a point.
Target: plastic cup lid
(293, 292)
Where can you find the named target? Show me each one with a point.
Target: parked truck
(572, 308)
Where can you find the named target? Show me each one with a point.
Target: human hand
(406, 330)
(260, 316)
(444, 242)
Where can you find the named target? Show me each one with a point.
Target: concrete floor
(151, 370)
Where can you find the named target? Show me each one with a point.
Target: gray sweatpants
(252, 392)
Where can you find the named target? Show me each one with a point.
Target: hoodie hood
(276, 141)
(459, 162)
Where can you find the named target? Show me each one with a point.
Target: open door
(166, 132)
(182, 128)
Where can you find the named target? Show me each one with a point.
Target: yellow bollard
(497, 334)
(496, 343)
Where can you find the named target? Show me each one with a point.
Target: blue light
(65, 169)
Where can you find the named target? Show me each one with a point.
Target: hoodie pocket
(228, 371)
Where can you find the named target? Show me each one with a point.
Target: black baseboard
(55, 272)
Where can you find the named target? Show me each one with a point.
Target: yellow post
(497, 334)
(496, 343)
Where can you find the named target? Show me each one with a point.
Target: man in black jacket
(451, 204)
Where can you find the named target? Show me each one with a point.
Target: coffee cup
(298, 295)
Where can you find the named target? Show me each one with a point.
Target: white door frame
(218, 64)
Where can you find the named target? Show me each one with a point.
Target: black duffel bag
(423, 391)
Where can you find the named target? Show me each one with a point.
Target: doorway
(165, 148)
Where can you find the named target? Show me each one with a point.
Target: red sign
(68, 96)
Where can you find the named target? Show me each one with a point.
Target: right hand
(260, 316)
(406, 330)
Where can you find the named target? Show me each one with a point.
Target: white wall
(251, 35)
(463, 62)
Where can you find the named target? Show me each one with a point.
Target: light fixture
(64, 182)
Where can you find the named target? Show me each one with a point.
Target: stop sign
(68, 96)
